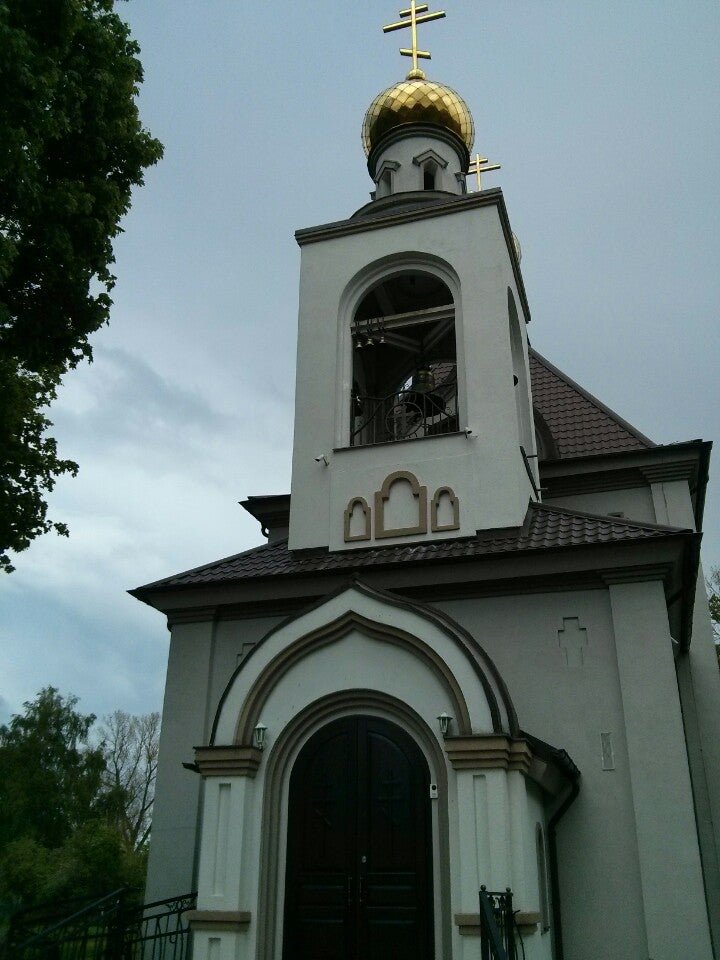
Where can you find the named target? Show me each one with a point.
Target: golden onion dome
(417, 101)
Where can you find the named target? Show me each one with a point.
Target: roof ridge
(606, 518)
(591, 398)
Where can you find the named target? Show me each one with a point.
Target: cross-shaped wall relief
(573, 640)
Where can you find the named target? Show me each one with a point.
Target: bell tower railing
(405, 415)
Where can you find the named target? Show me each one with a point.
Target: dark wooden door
(359, 868)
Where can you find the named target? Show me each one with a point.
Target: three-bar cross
(481, 165)
(416, 13)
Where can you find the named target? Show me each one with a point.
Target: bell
(422, 392)
(423, 380)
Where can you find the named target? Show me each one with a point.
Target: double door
(359, 870)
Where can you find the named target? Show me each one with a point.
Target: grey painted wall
(578, 665)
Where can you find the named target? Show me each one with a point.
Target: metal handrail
(406, 414)
(497, 923)
(116, 896)
(114, 927)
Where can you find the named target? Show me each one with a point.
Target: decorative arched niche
(400, 506)
(400, 320)
(357, 520)
(444, 511)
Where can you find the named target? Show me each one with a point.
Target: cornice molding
(661, 472)
(228, 761)
(661, 571)
(457, 204)
(231, 921)
(489, 752)
(579, 483)
(468, 924)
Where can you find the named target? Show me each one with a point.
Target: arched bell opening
(405, 383)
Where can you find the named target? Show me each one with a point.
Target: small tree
(713, 589)
(50, 774)
(74, 809)
(131, 758)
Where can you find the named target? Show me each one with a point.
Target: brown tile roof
(580, 424)
(545, 528)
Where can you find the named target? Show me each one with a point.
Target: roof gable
(579, 424)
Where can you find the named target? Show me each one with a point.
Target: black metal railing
(497, 926)
(114, 927)
(404, 415)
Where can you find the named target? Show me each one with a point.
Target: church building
(474, 651)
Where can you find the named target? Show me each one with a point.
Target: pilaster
(676, 922)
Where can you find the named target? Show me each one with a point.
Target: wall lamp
(259, 736)
(444, 720)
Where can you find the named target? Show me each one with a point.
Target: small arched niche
(404, 361)
(444, 511)
(357, 520)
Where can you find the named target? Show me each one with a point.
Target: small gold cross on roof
(481, 165)
(416, 13)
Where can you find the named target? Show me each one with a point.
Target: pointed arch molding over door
(330, 633)
(447, 651)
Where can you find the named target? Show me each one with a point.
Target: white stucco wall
(483, 821)
(466, 248)
(409, 175)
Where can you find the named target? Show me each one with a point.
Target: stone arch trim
(347, 520)
(383, 495)
(330, 633)
(357, 287)
(455, 504)
(279, 764)
(502, 709)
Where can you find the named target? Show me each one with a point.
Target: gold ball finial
(416, 74)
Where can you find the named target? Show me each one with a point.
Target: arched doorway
(359, 870)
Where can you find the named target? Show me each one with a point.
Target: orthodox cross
(481, 165)
(573, 641)
(416, 13)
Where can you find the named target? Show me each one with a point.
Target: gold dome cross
(481, 165)
(416, 13)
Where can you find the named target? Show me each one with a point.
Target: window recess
(404, 362)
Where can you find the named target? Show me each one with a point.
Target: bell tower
(413, 417)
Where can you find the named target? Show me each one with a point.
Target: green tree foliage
(713, 590)
(50, 775)
(71, 149)
(74, 809)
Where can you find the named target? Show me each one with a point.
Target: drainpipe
(554, 876)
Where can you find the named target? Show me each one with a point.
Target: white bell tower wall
(467, 244)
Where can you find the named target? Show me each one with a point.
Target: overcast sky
(605, 119)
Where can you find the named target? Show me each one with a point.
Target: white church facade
(475, 649)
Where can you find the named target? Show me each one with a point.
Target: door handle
(349, 891)
(361, 894)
